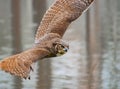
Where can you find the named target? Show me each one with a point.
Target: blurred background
(93, 60)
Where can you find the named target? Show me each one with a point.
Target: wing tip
(14, 68)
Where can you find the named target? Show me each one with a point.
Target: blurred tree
(94, 48)
(16, 33)
(44, 66)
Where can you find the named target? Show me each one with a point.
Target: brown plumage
(60, 15)
(48, 42)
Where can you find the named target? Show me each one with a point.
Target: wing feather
(20, 64)
(60, 15)
(47, 18)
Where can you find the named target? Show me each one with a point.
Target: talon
(29, 77)
(25, 78)
(31, 68)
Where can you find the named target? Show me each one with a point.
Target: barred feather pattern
(58, 17)
(20, 64)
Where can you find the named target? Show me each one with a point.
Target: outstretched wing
(60, 15)
(20, 64)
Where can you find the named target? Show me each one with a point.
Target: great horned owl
(48, 40)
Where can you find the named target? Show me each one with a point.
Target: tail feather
(16, 67)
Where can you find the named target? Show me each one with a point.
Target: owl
(48, 39)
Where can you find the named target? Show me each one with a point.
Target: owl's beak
(65, 49)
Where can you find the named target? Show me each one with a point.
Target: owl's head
(60, 48)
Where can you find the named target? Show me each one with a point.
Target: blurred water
(68, 71)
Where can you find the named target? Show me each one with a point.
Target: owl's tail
(16, 67)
